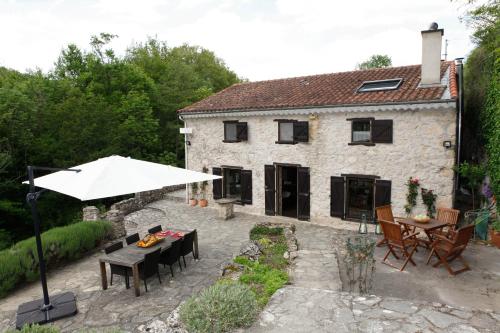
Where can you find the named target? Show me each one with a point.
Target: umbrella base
(62, 305)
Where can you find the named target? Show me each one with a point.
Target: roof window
(391, 84)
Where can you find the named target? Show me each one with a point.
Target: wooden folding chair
(396, 239)
(385, 213)
(448, 215)
(446, 250)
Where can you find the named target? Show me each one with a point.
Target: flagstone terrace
(422, 297)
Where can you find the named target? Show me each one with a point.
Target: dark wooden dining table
(132, 255)
(427, 228)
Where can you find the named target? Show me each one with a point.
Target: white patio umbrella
(116, 175)
(106, 177)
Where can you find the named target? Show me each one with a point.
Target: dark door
(217, 184)
(359, 198)
(287, 191)
(270, 189)
(303, 193)
(246, 186)
(337, 197)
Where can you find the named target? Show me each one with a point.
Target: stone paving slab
(297, 309)
(118, 307)
(316, 269)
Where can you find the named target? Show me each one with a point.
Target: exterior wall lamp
(447, 144)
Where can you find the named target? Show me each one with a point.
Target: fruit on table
(148, 241)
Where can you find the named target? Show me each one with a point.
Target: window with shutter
(303, 193)
(292, 131)
(217, 184)
(301, 131)
(382, 131)
(369, 131)
(242, 131)
(246, 187)
(382, 192)
(270, 189)
(337, 197)
(235, 131)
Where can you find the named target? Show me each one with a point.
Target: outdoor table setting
(133, 255)
(427, 225)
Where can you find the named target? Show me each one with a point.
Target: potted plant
(194, 191)
(203, 190)
(495, 233)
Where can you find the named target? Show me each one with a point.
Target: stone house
(331, 145)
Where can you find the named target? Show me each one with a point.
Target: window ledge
(231, 141)
(361, 144)
(286, 142)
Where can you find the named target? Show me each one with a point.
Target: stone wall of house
(417, 150)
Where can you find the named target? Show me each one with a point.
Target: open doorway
(287, 191)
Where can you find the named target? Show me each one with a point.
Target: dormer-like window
(379, 85)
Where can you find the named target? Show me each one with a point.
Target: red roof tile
(325, 90)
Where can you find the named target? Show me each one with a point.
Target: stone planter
(203, 202)
(193, 202)
(495, 238)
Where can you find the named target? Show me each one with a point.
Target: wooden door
(270, 189)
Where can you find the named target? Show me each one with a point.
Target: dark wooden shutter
(246, 186)
(270, 189)
(303, 194)
(217, 183)
(301, 131)
(382, 192)
(382, 131)
(242, 131)
(337, 197)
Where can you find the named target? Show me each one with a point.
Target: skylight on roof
(391, 84)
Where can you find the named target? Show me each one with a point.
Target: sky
(258, 39)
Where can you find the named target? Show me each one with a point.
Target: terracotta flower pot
(203, 202)
(193, 202)
(495, 238)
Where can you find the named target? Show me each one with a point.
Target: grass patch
(20, 263)
(268, 274)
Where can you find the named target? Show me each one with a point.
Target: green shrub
(263, 279)
(220, 308)
(20, 262)
(36, 329)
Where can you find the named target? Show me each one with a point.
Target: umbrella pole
(42, 311)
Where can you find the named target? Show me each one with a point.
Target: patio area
(315, 280)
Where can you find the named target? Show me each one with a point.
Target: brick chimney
(431, 55)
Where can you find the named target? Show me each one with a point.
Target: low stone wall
(141, 199)
(118, 210)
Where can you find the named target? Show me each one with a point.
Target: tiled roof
(325, 90)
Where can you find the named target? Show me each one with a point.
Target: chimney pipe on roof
(431, 55)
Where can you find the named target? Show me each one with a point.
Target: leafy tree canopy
(94, 104)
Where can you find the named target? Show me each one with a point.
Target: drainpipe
(460, 79)
(185, 156)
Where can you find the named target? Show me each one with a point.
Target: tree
(375, 61)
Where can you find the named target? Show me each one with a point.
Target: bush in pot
(194, 191)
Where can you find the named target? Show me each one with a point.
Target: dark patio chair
(448, 249)
(187, 245)
(117, 269)
(172, 255)
(132, 238)
(398, 240)
(149, 267)
(154, 230)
